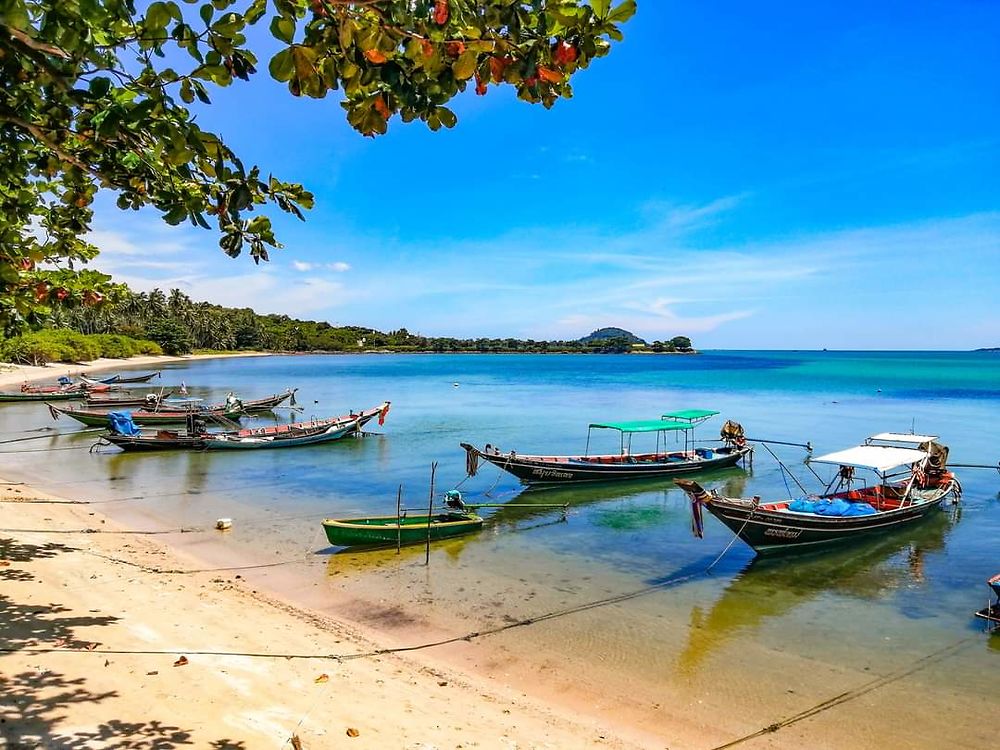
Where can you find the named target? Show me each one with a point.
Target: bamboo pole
(430, 511)
(399, 521)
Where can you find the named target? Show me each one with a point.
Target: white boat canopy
(903, 437)
(880, 458)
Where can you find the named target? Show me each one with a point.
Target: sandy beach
(12, 375)
(108, 643)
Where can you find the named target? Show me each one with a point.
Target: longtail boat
(406, 529)
(99, 417)
(64, 391)
(911, 481)
(126, 436)
(138, 378)
(124, 399)
(118, 378)
(625, 465)
(991, 613)
(252, 406)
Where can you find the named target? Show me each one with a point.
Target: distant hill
(603, 334)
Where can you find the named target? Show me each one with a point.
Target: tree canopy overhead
(94, 95)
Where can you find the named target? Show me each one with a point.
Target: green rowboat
(385, 530)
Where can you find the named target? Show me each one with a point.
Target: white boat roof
(903, 437)
(879, 458)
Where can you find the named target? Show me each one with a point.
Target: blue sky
(752, 175)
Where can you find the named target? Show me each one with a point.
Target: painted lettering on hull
(550, 474)
(783, 533)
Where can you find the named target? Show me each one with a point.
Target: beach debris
(322, 678)
(4, 563)
(181, 662)
(443, 683)
(91, 646)
(154, 672)
(352, 732)
(224, 524)
(296, 742)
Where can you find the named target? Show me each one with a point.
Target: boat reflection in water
(769, 588)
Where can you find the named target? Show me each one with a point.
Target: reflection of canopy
(903, 437)
(879, 458)
(641, 425)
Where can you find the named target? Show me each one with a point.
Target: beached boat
(124, 434)
(911, 481)
(991, 613)
(406, 529)
(99, 417)
(625, 465)
(124, 399)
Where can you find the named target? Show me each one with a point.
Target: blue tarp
(121, 423)
(830, 507)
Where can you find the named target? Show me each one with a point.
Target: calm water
(775, 637)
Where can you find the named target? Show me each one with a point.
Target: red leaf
(480, 86)
(546, 74)
(441, 12)
(375, 56)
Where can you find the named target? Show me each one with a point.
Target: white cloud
(337, 266)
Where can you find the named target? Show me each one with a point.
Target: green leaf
(282, 66)
(206, 12)
(600, 8)
(157, 17)
(283, 28)
(623, 12)
(465, 65)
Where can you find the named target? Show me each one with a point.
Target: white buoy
(224, 524)
(454, 385)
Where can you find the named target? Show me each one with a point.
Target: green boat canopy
(641, 425)
(690, 415)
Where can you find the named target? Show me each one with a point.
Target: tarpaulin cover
(121, 423)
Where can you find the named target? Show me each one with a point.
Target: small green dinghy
(386, 530)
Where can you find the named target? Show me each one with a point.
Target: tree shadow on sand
(35, 704)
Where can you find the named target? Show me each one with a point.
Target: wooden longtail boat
(99, 417)
(625, 465)
(844, 512)
(991, 613)
(64, 395)
(118, 378)
(61, 392)
(252, 406)
(386, 530)
(128, 438)
(150, 400)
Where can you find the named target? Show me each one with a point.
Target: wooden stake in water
(399, 520)
(430, 510)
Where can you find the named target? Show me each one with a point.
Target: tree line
(180, 325)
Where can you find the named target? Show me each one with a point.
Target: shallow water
(625, 614)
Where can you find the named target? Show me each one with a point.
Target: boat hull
(775, 532)
(384, 530)
(29, 396)
(287, 440)
(538, 470)
(145, 419)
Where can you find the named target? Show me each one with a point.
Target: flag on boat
(184, 390)
(381, 414)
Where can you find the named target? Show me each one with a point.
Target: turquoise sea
(626, 610)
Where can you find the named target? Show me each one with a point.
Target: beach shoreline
(14, 374)
(108, 639)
